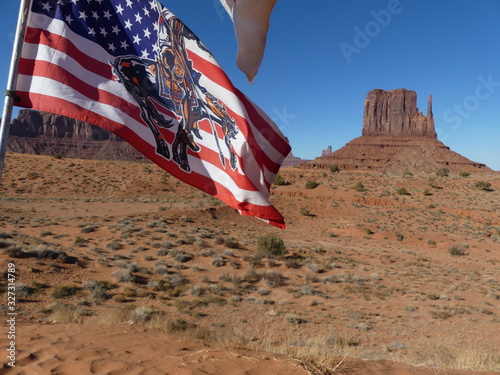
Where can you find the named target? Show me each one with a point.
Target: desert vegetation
(371, 274)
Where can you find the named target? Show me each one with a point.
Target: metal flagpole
(10, 92)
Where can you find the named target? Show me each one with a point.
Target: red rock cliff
(396, 137)
(34, 124)
(42, 133)
(394, 113)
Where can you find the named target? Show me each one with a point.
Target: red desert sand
(121, 269)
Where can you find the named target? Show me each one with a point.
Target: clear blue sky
(323, 57)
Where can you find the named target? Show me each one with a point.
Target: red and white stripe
(63, 73)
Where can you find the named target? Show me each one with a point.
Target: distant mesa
(42, 133)
(38, 124)
(292, 161)
(396, 137)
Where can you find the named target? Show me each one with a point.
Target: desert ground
(122, 269)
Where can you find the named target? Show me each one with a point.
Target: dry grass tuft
(443, 355)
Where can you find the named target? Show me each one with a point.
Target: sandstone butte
(396, 137)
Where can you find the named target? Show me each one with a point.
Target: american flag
(133, 68)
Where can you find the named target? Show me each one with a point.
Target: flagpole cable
(10, 92)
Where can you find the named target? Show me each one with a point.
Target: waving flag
(251, 23)
(133, 68)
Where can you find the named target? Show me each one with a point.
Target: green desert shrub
(464, 174)
(457, 250)
(219, 262)
(279, 180)
(293, 319)
(33, 175)
(443, 172)
(292, 263)
(161, 268)
(181, 256)
(80, 242)
(98, 284)
(271, 246)
(273, 279)
(311, 184)
(124, 275)
(334, 168)
(89, 229)
(304, 211)
(402, 191)
(231, 243)
(433, 183)
(252, 276)
(114, 245)
(178, 325)
(483, 185)
(64, 291)
(98, 289)
(359, 186)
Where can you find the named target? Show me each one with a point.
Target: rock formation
(291, 161)
(43, 133)
(33, 124)
(392, 154)
(327, 151)
(396, 137)
(395, 113)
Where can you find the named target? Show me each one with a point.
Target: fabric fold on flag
(133, 68)
(251, 24)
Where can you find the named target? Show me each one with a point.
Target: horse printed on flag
(172, 83)
(133, 68)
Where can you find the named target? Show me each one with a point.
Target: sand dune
(112, 349)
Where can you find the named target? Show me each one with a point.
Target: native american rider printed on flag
(172, 83)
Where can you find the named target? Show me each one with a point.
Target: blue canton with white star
(121, 27)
